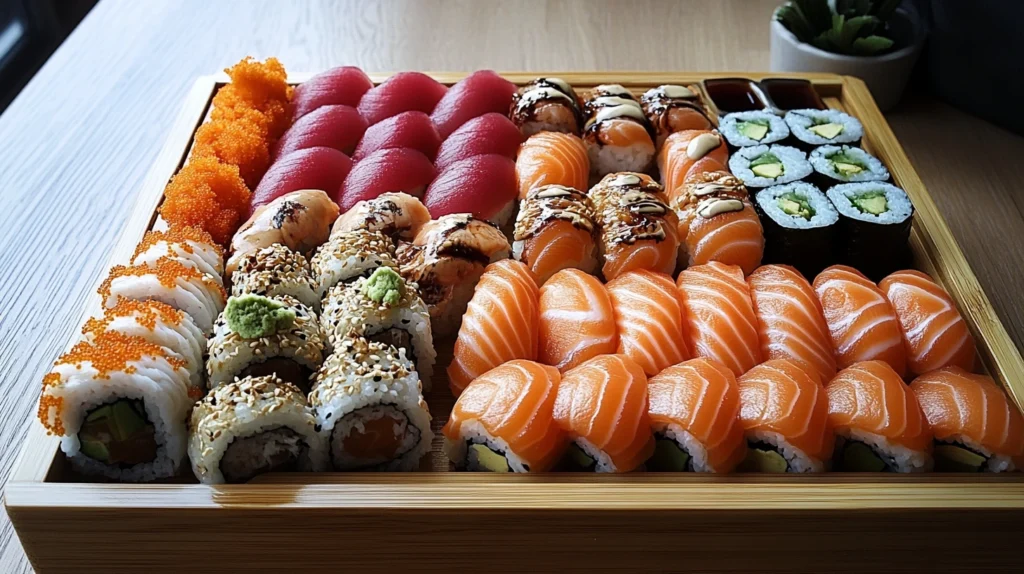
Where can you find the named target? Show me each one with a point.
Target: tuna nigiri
(977, 427)
(880, 425)
(402, 92)
(720, 320)
(503, 421)
(576, 320)
(339, 127)
(862, 324)
(682, 150)
(320, 168)
(552, 158)
(784, 413)
(649, 318)
(344, 86)
(484, 185)
(790, 323)
(487, 134)
(475, 95)
(500, 323)
(602, 405)
(412, 130)
(934, 333)
(694, 409)
(555, 230)
(404, 170)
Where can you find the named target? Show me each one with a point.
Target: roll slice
(189, 246)
(874, 221)
(800, 226)
(846, 164)
(813, 127)
(273, 271)
(168, 281)
(759, 127)
(348, 255)
(765, 166)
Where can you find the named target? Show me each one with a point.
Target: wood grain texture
(77, 143)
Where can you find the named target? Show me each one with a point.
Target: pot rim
(904, 52)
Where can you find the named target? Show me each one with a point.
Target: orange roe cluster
(256, 86)
(180, 236)
(146, 314)
(240, 143)
(167, 270)
(207, 194)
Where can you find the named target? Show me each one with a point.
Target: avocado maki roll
(812, 128)
(874, 220)
(800, 226)
(744, 129)
(846, 164)
(765, 166)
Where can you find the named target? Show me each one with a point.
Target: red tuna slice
(489, 133)
(483, 185)
(412, 130)
(342, 86)
(321, 168)
(339, 127)
(477, 94)
(403, 92)
(386, 170)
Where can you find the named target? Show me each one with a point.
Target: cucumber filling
(859, 457)
(577, 459)
(796, 205)
(670, 457)
(873, 202)
(764, 457)
(482, 458)
(846, 164)
(958, 458)
(828, 130)
(753, 129)
(119, 433)
(767, 165)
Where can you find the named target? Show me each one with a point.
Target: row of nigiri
(606, 415)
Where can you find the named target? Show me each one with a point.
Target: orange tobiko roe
(262, 87)
(240, 143)
(207, 194)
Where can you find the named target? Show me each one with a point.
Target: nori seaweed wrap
(875, 219)
(800, 227)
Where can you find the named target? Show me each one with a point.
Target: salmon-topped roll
(682, 152)
(934, 333)
(671, 109)
(547, 105)
(861, 322)
(556, 230)
(649, 318)
(616, 131)
(694, 410)
(500, 323)
(719, 318)
(396, 215)
(638, 229)
(576, 320)
(977, 427)
(552, 158)
(784, 413)
(790, 323)
(717, 222)
(503, 421)
(602, 405)
(878, 423)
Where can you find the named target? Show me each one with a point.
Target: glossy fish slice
(477, 94)
(555, 230)
(388, 170)
(682, 150)
(402, 92)
(790, 323)
(344, 86)
(649, 318)
(320, 168)
(484, 185)
(696, 405)
(719, 317)
(934, 333)
(602, 405)
(412, 130)
(500, 323)
(576, 320)
(338, 127)
(552, 158)
(724, 230)
(862, 324)
(487, 134)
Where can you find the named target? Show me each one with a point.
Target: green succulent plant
(851, 27)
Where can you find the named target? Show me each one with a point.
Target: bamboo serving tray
(445, 520)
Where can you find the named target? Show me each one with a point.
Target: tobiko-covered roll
(189, 246)
(275, 270)
(555, 230)
(168, 281)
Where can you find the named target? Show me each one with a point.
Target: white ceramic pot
(886, 75)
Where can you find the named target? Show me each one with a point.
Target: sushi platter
(427, 274)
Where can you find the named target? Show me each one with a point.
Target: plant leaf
(858, 26)
(851, 8)
(871, 45)
(817, 13)
(883, 10)
(795, 22)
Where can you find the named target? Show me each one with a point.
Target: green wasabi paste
(256, 316)
(385, 286)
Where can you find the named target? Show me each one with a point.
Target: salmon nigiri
(720, 320)
(576, 320)
(649, 319)
(977, 427)
(552, 158)
(862, 324)
(879, 422)
(790, 323)
(682, 150)
(503, 421)
(694, 409)
(934, 333)
(602, 405)
(556, 230)
(724, 230)
(784, 413)
(500, 323)
(616, 132)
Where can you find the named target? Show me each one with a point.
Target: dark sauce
(734, 95)
(791, 94)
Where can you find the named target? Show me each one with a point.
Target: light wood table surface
(75, 145)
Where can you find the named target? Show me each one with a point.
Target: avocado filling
(767, 165)
(873, 202)
(846, 165)
(827, 130)
(753, 129)
(859, 457)
(670, 457)
(482, 458)
(763, 457)
(576, 459)
(255, 316)
(275, 450)
(118, 433)
(958, 458)
(796, 205)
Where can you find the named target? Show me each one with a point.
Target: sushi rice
(348, 255)
(276, 270)
(789, 162)
(812, 127)
(898, 458)
(898, 207)
(738, 128)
